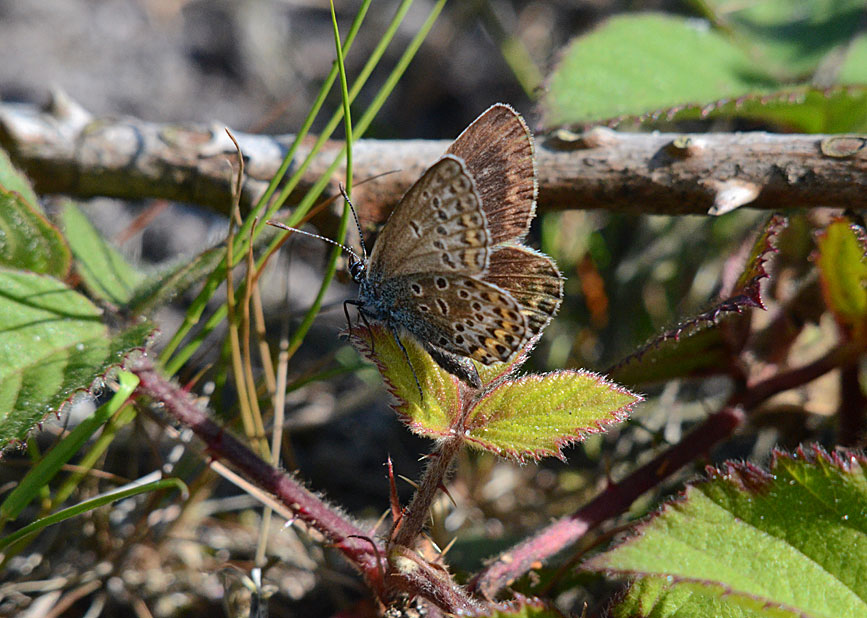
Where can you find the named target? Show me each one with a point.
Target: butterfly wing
(497, 149)
(438, 226)
(459, 314)
(531, 278)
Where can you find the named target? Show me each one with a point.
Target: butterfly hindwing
(531, 278)
(462, 315)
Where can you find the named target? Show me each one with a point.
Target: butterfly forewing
(460, 314)
(497, 149)
(438, 226)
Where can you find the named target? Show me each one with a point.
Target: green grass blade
(89, 505)
(28, 489)
(197, 308)
(310, 198)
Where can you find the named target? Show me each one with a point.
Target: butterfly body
(448, 267)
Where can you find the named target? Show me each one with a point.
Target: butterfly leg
(406, 356)
(359, 304)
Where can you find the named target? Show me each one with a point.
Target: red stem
(852, 413)
(618, 497)
(354, 542)
(612, 501)
(415, 514)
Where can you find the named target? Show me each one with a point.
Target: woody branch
(65, 150)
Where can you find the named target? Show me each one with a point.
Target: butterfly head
(357, 268)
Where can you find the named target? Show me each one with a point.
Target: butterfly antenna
(283, 226)
(354, 216)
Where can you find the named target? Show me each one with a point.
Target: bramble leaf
(707, 343)
(160, 286)
(434, 416)
(802, 109)
(535, 416)
(791, 43)
(629, 70)
(843, 272)
(634, 65)
(52, 343)
(13, 180)
(789, 542)
(28, 240)
(108, 275)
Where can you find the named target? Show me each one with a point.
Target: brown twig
(65, 150)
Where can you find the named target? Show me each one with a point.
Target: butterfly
(449, 267)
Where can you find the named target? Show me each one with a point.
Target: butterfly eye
(356, 269)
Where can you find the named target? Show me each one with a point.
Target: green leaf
(708, 343)
(52, 343)
(102, 268)
(28, 240)
(789, 542)
(807, 110)
(633, 65)
(108, 275)
(854, 69)
(13, 180)
(437, 412)
(843, 273)
(653, 597)
(790, 38)
(754, 270)
(695, 349)
(535, 416)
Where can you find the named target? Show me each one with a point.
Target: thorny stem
(336, 527)
(415, 514)
(615, 499)
(618, 497)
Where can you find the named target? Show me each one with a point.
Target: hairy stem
(354, 542)
(415, 514)
(615, 499)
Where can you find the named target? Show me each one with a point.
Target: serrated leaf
(806, 110)
(754, 270)
(52, 343)
(108, 275)
(28, 240)
(102, 268)
(652, 597)
(694, 349)
(535, 416)
(633, 65)
(790, 542)
(13, 180)
(791, 38)
(435, 415)
(708, 343)
(843, 272)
